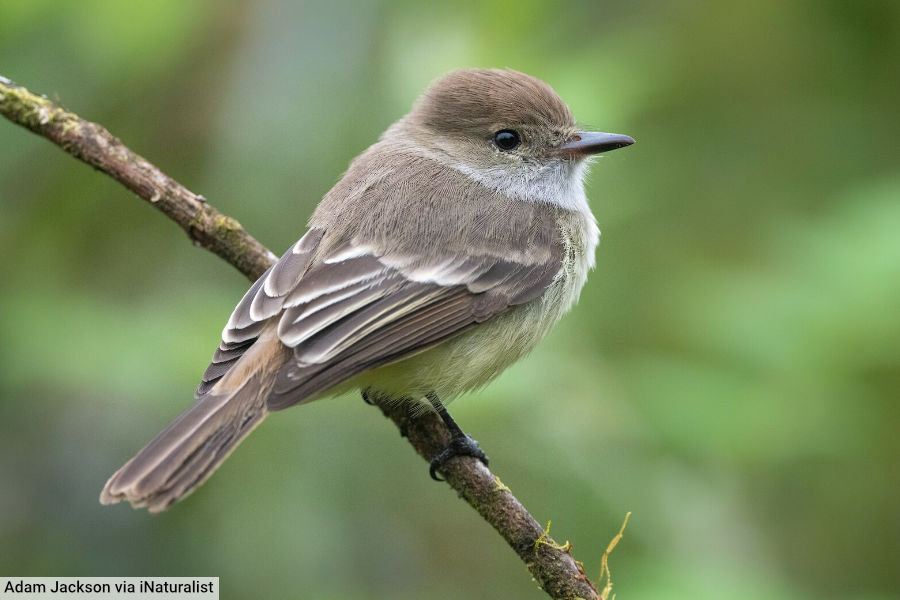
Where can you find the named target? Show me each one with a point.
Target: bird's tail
(190, 449)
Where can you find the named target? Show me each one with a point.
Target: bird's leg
(460, 444)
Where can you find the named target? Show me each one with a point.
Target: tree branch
(93, 144)
(551, 565)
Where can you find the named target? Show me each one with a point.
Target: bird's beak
(592, 142)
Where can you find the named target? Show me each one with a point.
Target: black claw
(458, 446)
(367, 399)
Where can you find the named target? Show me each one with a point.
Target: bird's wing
(353, 308)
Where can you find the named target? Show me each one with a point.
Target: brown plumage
(428, 268)
(485, 100)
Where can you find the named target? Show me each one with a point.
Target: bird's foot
(460, 445)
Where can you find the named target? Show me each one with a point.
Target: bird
(445, 253)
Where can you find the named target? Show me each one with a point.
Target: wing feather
(262, 301)
(330, 341)
(326, 278)
(300, 323)
(345, 308)
(396, 340)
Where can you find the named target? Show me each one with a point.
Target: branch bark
(551, 564)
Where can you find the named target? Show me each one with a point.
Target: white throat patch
(559, 182)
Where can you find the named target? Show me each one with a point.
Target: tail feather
(189, 450)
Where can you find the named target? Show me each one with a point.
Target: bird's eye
(507, 139)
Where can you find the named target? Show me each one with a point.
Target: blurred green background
(731, 374)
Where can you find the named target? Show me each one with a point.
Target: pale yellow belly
(474, 358)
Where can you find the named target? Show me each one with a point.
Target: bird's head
(510, 130)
